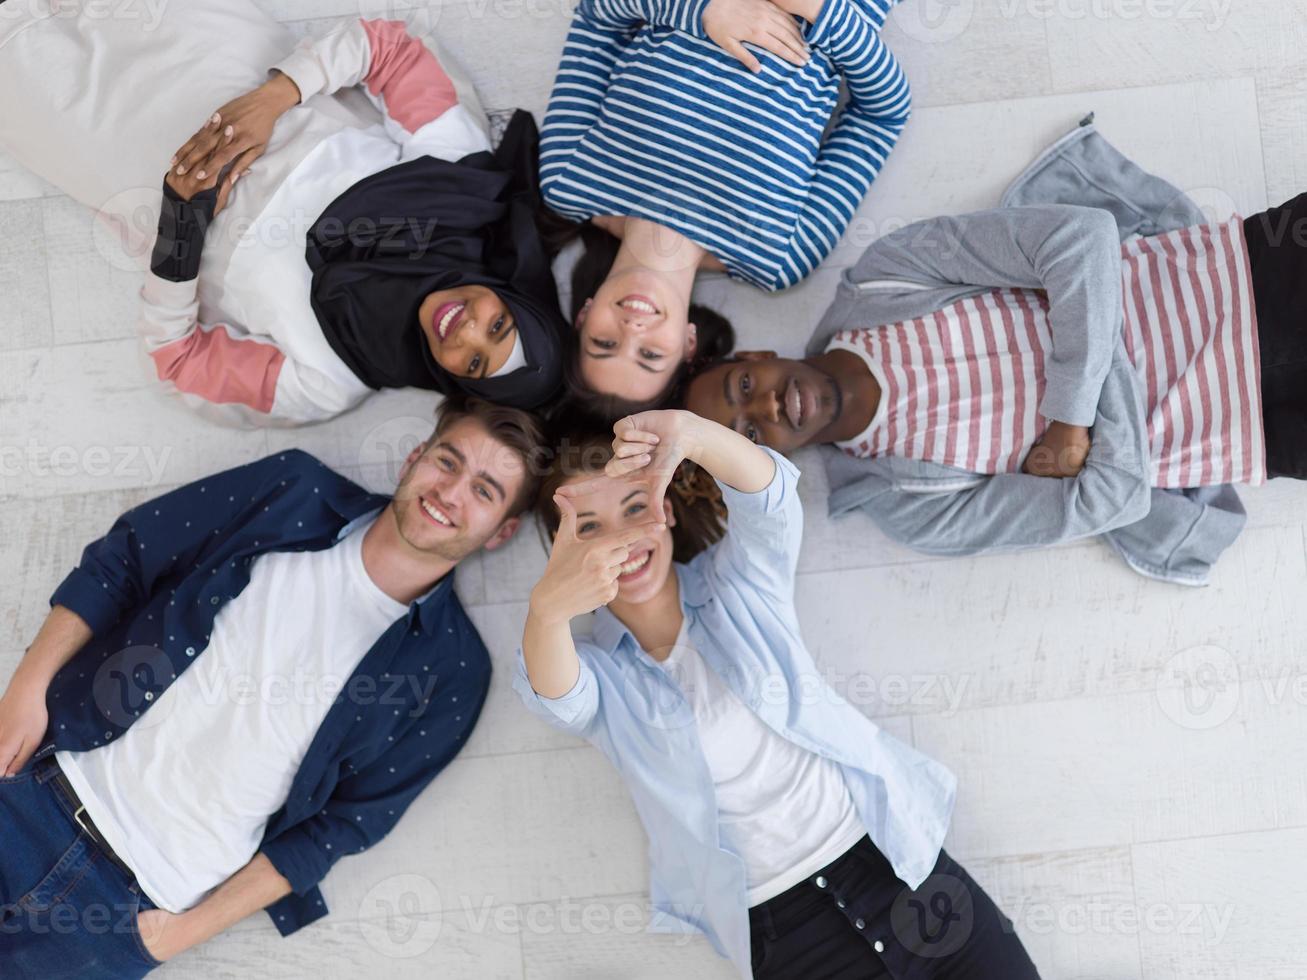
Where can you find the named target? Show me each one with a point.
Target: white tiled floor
(1129, 753)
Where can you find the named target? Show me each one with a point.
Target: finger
(620, 541)
(566, 516)
(238, 169)
(627, 426)
(202, 144)
(790, 41)
(8, 750)
(226, 150)
(632, 434)
(625, 450)
(25, 751)
(741, 54)
(1037, 463)
(200, 134)
(212, 151)
(658, 484)
(581, 487)
(784, 46)
(618, 468)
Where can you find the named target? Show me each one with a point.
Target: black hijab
(381, 247)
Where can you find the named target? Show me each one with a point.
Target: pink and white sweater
(241, 343)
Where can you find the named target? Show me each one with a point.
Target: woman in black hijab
(359, 250)
(405, 259)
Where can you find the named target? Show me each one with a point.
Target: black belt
(82, 818)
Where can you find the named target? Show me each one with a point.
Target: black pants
(1277, 251)
(855, 920)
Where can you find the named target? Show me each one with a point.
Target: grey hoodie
(1059, 229)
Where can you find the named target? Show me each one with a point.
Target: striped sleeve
(600, 32)
(680, 15)
(591, 50)
(862, 138)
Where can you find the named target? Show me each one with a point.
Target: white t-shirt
(184, 795)
(786, 811)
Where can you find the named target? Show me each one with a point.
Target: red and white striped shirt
(962, 386)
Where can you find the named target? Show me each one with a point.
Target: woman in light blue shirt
(782, 822)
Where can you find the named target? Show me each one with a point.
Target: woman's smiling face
(469, 330)
(613, 505)
(634, 334)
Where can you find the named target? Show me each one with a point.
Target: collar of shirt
(426, 606)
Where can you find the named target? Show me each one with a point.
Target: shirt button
(149, 695)
(859, 924)
(878, 946)
(821, 881)
(839, 903)
(190, 651)
(213, 600)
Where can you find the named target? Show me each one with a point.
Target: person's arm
(656, 442)
(114, 576)
(580, 577)
(369, 801)
(1072, 253)
(764, 528)
(599, 35)
(429, 107)
(729, 24)
(1015, 510)
(226, 374)
(254, 887)
(23, 715)
(856, 148)
(152, 541)
(585, 69)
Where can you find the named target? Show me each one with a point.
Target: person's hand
(730, 23)
(237, 134)
(191, 184)
(1060, 451)
(582, 574)
(809, 10)
(23, 721)
(163, 934)
(653, 442)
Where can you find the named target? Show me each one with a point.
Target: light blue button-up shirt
(738, 602)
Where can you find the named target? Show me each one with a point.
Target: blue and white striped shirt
(649, 118)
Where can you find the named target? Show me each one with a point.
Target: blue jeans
(66, 910)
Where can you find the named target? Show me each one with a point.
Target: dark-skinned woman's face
(469, 330)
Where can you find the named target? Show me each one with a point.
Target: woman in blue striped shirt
(655, 134)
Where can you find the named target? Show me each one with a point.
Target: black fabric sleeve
(182, 225)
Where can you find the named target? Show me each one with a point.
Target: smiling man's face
(777, 402)
(456, 494)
